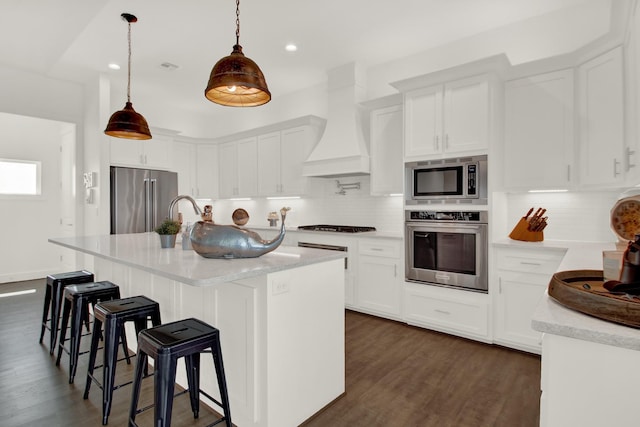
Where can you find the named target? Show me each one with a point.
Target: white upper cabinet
(386, 150)
(155, 153)
(295, 146)
(280, 158)
(206, 171)
(601, 118)
(538, 138)
(238, 163)
(269, 164)
(184, 159)
(447, 118)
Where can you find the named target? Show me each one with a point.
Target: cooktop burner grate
(337, 228)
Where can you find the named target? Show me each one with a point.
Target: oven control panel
(458, 216)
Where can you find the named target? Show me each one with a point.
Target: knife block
(521, 232)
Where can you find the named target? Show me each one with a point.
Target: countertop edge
(554, 318)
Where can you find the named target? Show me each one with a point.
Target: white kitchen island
(590, 375)
(280, 316)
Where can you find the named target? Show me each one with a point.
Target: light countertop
(142, 250)
(578, 255)
(554, 318)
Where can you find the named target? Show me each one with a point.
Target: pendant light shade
(127, 123)
(235, 80)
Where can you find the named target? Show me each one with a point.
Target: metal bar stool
(76, 303)
(113, 315)
(53, 299)
(166, 344)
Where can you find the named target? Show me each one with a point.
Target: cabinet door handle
(568, 173)
(630, 153)
(435, 142)
(499, 285)
(437, 310)
(395, 270)
(530, 263)
(446, 141)
(615, 167)
(376, 249)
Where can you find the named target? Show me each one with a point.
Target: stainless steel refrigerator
(140, 198)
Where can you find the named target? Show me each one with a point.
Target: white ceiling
(75, 39)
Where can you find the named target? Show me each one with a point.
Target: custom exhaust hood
(342, 150)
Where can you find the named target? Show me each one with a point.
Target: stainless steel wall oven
(447, 249)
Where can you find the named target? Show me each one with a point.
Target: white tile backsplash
(323, 206)
(582, 216)
(575, 216)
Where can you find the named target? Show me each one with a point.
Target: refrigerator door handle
(147, 204)
(154, 204)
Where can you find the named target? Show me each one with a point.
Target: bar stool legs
(53, 301)
(76, 301)
(113, 315)
(166, 344)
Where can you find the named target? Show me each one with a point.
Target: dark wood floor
(397, 375)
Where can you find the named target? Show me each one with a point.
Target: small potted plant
(168, 231)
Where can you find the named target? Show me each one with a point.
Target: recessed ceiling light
(290, 47)
(114, 66)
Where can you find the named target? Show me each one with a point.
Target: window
(19, 177)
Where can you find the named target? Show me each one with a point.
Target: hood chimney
(342, 150)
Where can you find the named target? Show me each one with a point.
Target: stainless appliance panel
(164, 188)
(447, 254)
(140, 198)
(328, 248)
(461, 180)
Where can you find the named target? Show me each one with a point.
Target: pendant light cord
(237, 22)
(129, 64)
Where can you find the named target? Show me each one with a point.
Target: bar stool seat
(166, 344)
(53, 301)
(113, 315)
(76, 302)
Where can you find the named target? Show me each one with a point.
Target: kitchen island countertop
(142, 250)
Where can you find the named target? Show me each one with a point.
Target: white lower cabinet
(523, 276)
(453, 311)
(379, 277)
(587, 384)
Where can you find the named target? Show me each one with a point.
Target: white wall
(30, 220)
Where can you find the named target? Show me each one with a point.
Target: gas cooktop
(337, 228)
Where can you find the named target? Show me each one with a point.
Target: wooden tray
(582, 290)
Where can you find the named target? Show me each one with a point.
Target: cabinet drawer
(529, 261)
(381, 248)
(471, 318)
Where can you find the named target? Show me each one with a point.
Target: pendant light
(236, 81)
(127, 123)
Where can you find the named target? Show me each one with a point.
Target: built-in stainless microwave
(459, 180)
